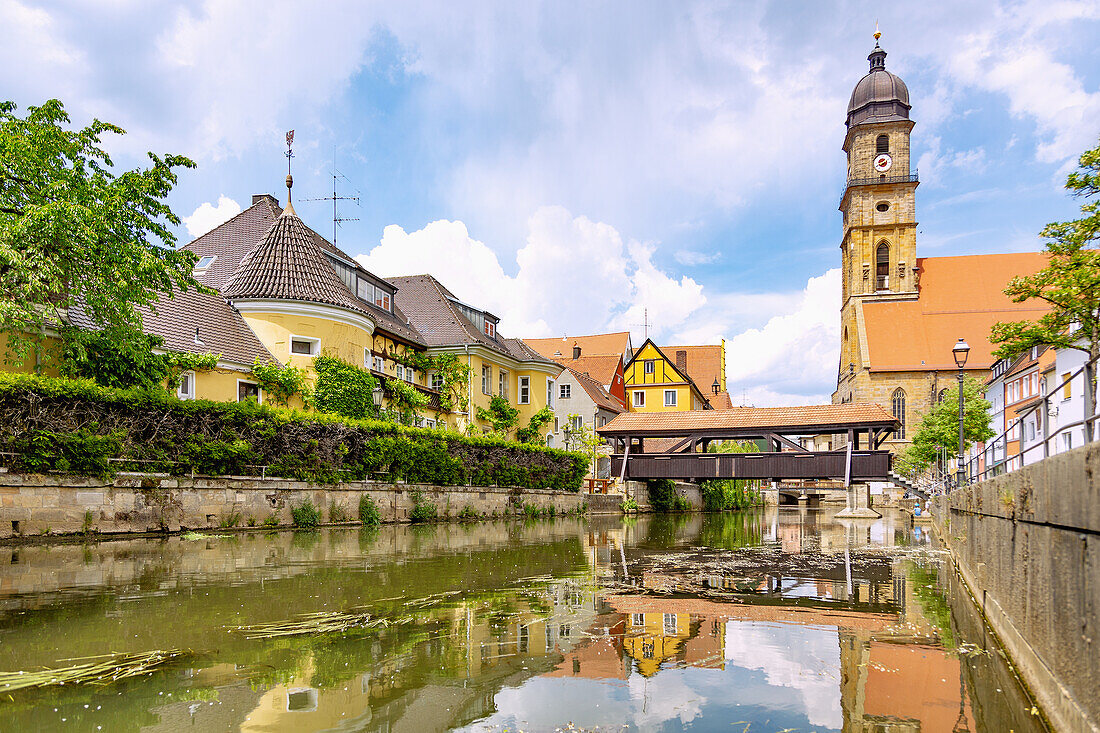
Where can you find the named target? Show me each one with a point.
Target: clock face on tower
(883, 162)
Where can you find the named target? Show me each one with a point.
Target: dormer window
(490, 329)
(382, 299)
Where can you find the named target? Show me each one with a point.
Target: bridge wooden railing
(871, 465)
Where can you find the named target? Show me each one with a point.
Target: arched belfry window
(882, 266)
(882, 144)
(897, 409)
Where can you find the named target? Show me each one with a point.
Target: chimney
(682, 362)
(258, 197)
(576, 350)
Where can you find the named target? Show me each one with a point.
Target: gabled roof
(600, 344)
(287, 264)
(431, 308)
(596, 392)
(960, 297)
(221, 329)
(704, 364)
(602, 368)
(687, 377)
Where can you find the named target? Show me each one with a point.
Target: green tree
(532, 432)
(582, 439)
(72, 231)
(939, 429)
(721, 495)
(1069, 285)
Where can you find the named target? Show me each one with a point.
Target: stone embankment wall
(1026, 544)
(639, 491)
(32, 504)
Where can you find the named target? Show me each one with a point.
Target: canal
(767, 620)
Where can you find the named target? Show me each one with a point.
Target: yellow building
(504, 367)
(655, 383)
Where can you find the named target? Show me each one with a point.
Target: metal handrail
(911, 178)
(992, 466)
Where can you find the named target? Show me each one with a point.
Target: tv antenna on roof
(337, 220)
(644, 324)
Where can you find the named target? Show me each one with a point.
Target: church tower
(879, 244)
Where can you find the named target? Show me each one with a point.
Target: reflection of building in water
(653, 638)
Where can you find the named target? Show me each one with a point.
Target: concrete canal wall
(1026, 544)
(32, 504)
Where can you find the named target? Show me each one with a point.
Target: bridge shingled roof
(806, 419)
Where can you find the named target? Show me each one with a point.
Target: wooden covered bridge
(674, 444)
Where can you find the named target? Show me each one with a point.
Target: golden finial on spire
(878, 33)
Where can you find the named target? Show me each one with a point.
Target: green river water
(761, 621)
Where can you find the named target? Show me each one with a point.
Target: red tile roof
(704, 365)
(596, 392)
(602, 368)
(960, 297)
(600, 344)
(811, 419)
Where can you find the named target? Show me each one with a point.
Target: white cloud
(791, 359)
(207, 216)
(691, 257)
(30, 40)
(572, 274)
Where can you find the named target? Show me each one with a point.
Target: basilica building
(901, 314)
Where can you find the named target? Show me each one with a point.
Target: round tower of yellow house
(879, 243)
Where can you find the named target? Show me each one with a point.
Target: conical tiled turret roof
(287, 264)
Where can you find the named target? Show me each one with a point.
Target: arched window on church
(882, 266)
(882, 144)
(897, 408)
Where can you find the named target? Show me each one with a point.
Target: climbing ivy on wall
(123, 359)
(281, 383)
(343, 388)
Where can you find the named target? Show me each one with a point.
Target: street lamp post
(376, 397)
(960, 352)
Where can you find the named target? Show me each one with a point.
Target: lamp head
(960, 352)
(716, 387)
(376, 395)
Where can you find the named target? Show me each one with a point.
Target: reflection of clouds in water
(805, 659)
(543, 701)
(661, 699)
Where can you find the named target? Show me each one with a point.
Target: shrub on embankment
(77, 427)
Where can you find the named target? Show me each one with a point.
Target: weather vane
(289, 154)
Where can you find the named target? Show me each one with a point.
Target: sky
(583, 167)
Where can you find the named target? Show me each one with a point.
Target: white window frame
(437, 381)
(550, 394)
(524, 396)
(259, 392)
(399, 370)
(314, 345)
(635, 401)
(199, 267)
(190, 394)
(550, 440)
(490, 329)
(577, 422)
(649, 366)
(487, 379)
(503, 382)
(380, 364)
(671, 392)
(367, 358)
(565, 391)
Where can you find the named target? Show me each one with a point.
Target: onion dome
(287, 264)
(879, 96)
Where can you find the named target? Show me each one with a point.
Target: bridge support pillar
(858, 505)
